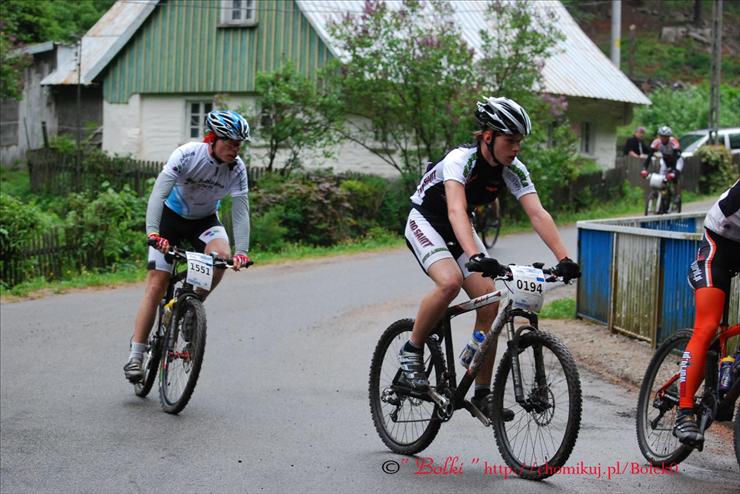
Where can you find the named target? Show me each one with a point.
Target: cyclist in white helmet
(183, 206)
(439, 232)
(671, 162)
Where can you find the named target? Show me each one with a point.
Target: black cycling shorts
(717, 261)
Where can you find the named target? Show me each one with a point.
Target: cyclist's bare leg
(447, 279)
(156, 285)
(476, 285)
(222, 250)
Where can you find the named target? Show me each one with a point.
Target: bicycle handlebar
(552, 272)
(178, 253)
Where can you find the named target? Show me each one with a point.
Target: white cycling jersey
(201, 181)
(723, 217)
(481, 180)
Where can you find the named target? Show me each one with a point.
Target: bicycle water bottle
(726, 368)
(469, 351)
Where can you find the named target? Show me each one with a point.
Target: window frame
(202, 112)
(228, 9)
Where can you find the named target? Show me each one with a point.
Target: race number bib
(200, 270)
(526, 288)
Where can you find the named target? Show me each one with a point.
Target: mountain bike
(657, 404)
(176, 346)
(661, 197)
(537, 378)
(487, 222)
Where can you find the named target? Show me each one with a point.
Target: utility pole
(616, 30)
(78, 160)
(713, 124)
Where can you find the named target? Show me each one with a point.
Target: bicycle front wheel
(657, 404)
(182, 357)
(491, 224)
(545, 427)
(406, 424)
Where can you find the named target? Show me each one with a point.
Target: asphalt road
(281, 404)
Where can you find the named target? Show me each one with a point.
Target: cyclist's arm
(543, 224)
(457, 213)
(162, 188)
(240, 220)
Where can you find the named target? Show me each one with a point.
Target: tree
(294, 114)
(415, 80)
(409, 74)
(24, 22)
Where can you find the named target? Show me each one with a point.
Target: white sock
(137, 351)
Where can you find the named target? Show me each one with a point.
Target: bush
(267, 232)
(109, 226)
(19, 224)
(717, 169)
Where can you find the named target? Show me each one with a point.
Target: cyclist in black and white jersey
(184, 204)
(441, 236)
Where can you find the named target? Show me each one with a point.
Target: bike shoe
(133, 370)
(485, 404)
(412, 370)
(686, 429)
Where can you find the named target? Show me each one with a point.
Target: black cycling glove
(568, 269)
(486, 265)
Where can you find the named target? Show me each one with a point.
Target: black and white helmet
(503, 115)
(665, 131)
(228, 124)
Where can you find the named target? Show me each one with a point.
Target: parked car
(691, 141)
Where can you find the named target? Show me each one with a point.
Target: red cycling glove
(241, 261)
(160, 243)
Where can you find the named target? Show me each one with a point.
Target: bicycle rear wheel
(545, 428)
(151, 360)
(657, 404)
(491, 224)
(182, 357)
(407, 425)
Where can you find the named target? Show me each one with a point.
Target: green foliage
(515, 73)
(19, 224)
(24, 22)
(564, 308)
(685, 110)
(294, 114)
(414, 80)
(409, 74)
(267, 231)
(718, 171)
(111, 224)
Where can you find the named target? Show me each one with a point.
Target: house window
(586, 138)
(197, 111)
(238, 13)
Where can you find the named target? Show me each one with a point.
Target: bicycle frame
(443, 333)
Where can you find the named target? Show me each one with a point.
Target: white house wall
(122, 128)
(150, 127)
(604, 117)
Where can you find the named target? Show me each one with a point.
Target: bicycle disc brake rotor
(542, 409)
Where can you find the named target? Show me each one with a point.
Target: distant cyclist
(671, 162)
(184, 204)
(717, 261)
(440, 235)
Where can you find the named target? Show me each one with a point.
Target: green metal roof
(180, 48)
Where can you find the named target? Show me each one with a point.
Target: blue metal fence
(635, 274)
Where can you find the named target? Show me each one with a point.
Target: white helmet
(503, 115)
(228, 124)
(665, 131)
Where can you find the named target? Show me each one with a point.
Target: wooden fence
(57, 174)
(49, 255)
